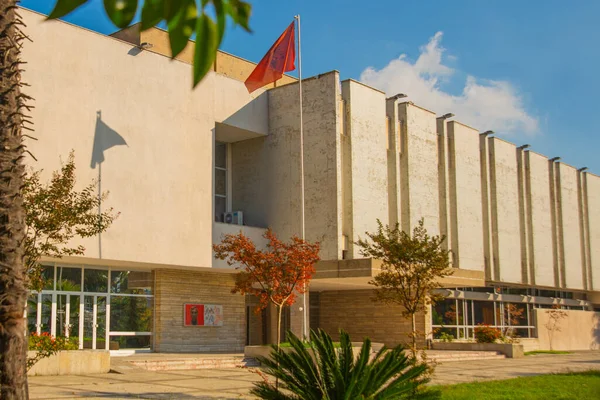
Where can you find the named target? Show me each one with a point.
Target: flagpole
(303, 234)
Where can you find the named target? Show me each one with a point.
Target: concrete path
(234, 383)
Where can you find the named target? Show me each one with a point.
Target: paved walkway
(234, 383)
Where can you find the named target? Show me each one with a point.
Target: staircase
(177, 362)
(443, 356)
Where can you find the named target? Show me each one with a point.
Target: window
(220, 180)
(102, 307)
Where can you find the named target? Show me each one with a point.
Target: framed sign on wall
(202, 314)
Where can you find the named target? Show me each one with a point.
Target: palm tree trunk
(13, 292)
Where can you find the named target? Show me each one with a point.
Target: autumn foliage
(274, 275)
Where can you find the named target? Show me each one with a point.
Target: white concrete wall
(504, 191)
(465, 197)
(161, 182)
(568, 224)
(418, 168)
(266, 172)
(220, 230)
(593, 192)
(541, 256)
(367, 134)
(579, 330)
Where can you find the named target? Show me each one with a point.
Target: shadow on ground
(154, 395)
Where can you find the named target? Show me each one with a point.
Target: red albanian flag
(279, 59)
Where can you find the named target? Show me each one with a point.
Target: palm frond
(319, 371)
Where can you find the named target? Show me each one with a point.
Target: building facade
(523, 230)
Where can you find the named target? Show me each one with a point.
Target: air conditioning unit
(235, 217)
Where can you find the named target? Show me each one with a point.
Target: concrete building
(523, 230)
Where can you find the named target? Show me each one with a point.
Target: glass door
(67, 315)
(94, 322)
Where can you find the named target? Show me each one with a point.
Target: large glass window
(68, 279)
(95, 280)
(220, 180)
(103, 308)
(131, 282)
(130, 314)
(459, 317)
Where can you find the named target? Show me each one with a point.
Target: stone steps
(193, 363)
(170, 363)
(442, 356)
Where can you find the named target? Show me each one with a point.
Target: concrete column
(556, 222)
(486, 208)
(443, 183)
(524, 212)
(393, 161)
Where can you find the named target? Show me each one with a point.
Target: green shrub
(446, 337)
(323, 372)
(487, 334)
(46, 345)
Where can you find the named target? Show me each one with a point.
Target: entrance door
(94, 322)
(67, 314)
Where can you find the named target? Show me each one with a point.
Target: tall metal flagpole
(303, 234)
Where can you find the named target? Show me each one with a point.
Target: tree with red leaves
(274, 275)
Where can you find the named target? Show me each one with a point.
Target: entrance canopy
(355, 275)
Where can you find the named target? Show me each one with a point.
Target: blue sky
(525, 69)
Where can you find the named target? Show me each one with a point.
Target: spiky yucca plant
(317, 371)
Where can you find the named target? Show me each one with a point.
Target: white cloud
(484, 104)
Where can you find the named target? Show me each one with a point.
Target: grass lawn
(533, 353)
(576, 385)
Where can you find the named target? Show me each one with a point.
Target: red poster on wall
(194, 314)
(202, 315)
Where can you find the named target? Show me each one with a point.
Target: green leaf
(240, 12)
(181, 27)
(121, 12)
(63, 7)
(206, 47)
(221, 14)
(152, 13)
(172, 7)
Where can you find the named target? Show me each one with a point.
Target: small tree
(555, 315)
(275, 275)
(412, 267)
(55, 213)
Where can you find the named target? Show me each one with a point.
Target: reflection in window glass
(131, 282)
(221, 182)
(32, 313)
(444, 312)
(220, 155)
(68, 279)
(130, 342)
(130, 314)
(95, 280)
(48, 277)
(515, 314)
(220, 208)
(439, 332)
(484, 312)
(46, 319)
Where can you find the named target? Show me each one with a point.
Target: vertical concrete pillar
(393, 160)
(486, 208)
(527, 198)
(418, 168)
(554, 200)
(443, 183)
(524, 211)
(583, 227)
